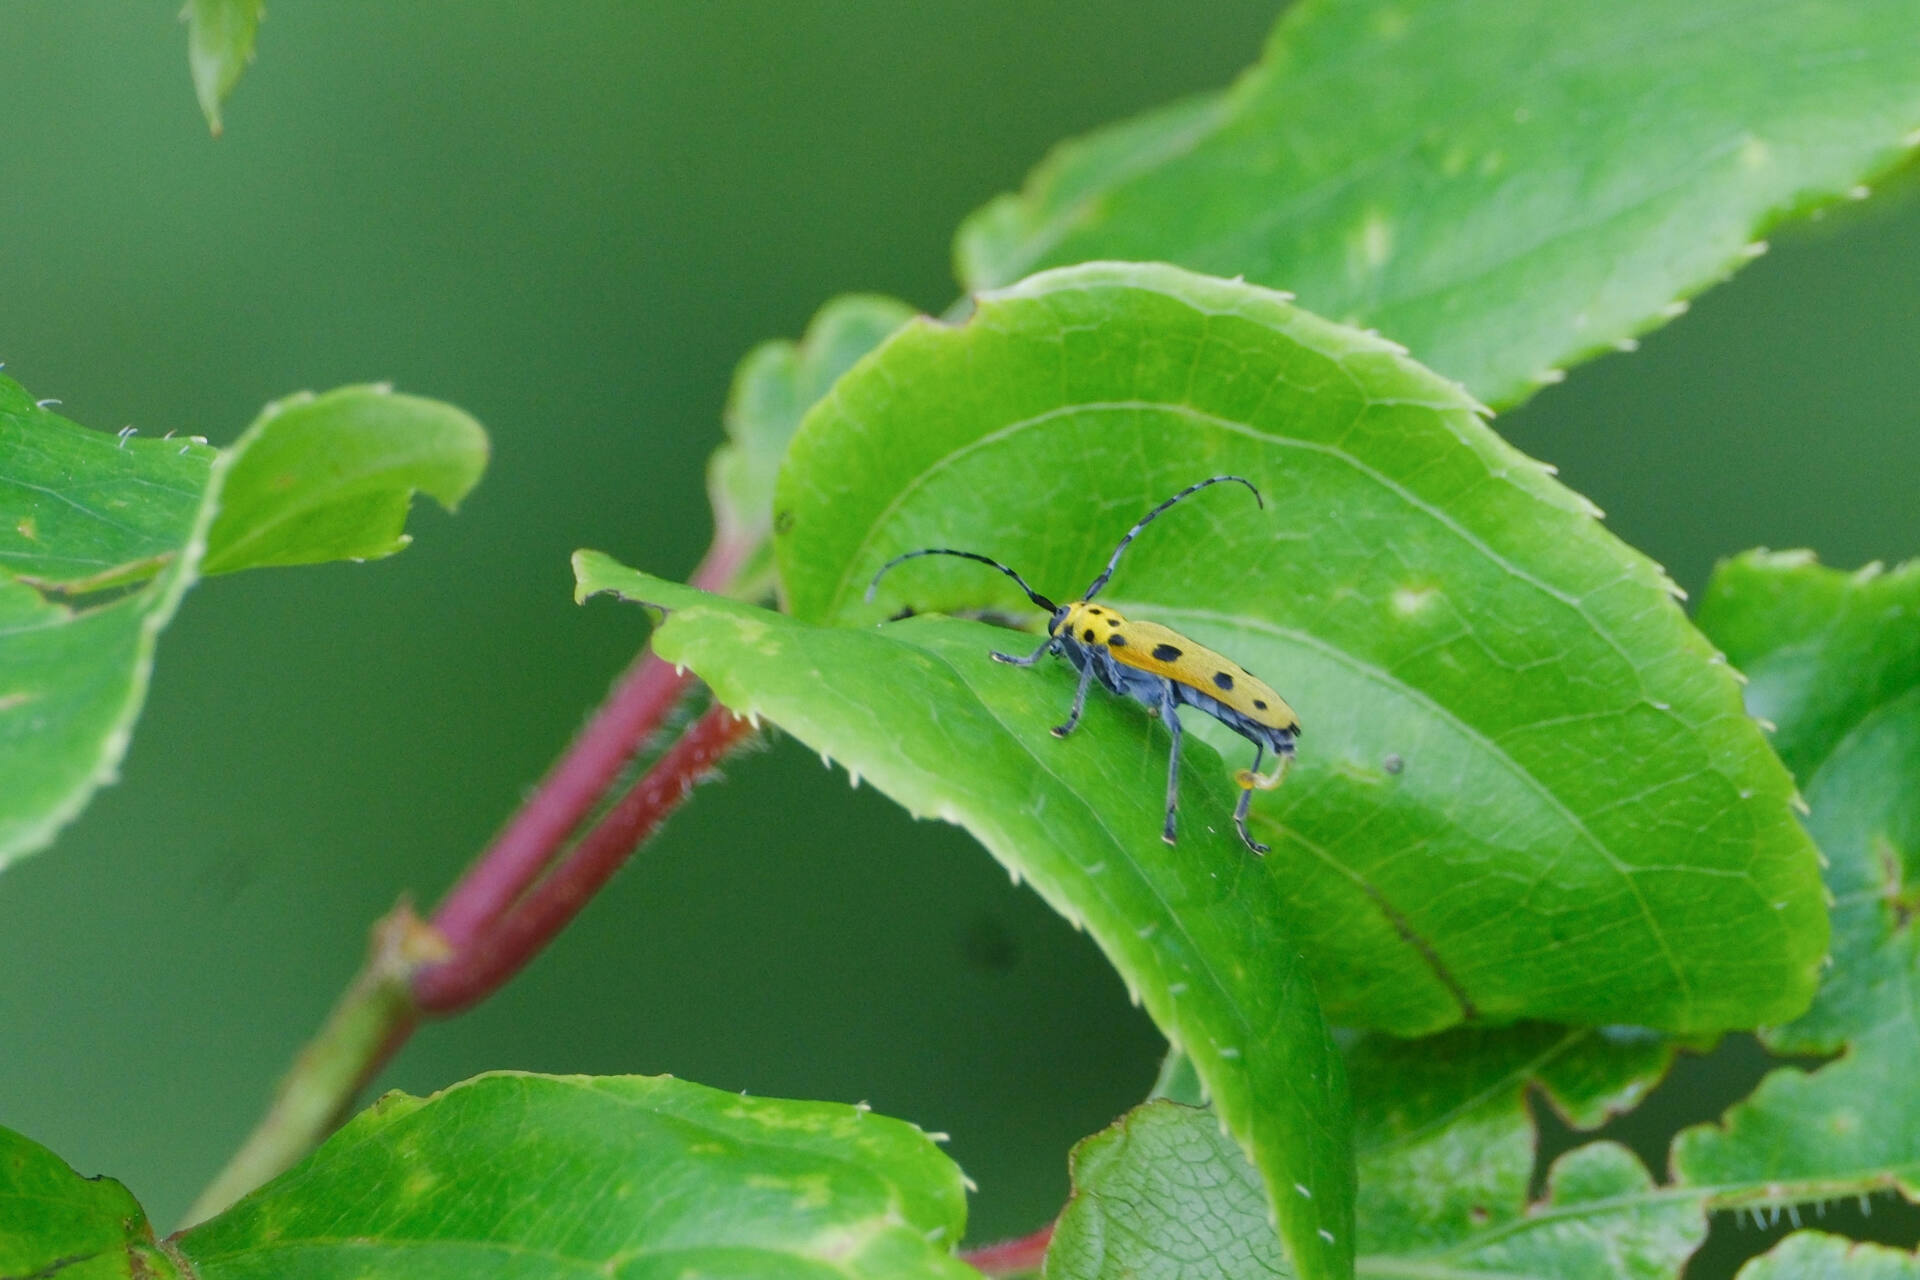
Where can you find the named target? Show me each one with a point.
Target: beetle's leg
(1265, 782)
(1027, 661)
(1172, 717)
(1248, 779)
(1079, 703)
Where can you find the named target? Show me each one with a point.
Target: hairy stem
(516, 937)
(638, 705)
(514, 898)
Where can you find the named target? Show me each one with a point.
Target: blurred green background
(572, 221)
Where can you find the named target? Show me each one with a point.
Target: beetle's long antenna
(1100, 582)
(1032, 595)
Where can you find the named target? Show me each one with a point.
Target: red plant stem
(638, 705)
(502, 912)
(1011, 1257)
(511, 940)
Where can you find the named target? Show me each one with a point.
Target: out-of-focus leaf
(53, 1222)
(628, 1177)
(83, 515)
(1506, 188)
(920, 709)
(773, 387)
(1526, 786)
(1815, 1255)
(330, 477)
(1834, 659)
(220, 35)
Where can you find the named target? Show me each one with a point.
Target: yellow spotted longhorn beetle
(1157, 666)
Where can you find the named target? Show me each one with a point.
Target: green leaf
(1526, 787)
(55, 1222)
(83, 510)
(515, 1175)
(1506, 188)
(220, 36)
(1447, 1146)
(1162, 1194)
(331, 477)
(1815, 1255)
(1834, 659)
(774, 386)
(920, 710)
(314, 478)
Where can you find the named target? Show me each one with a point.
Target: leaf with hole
(1815, 1255)
(1834, 659)
(1446, 1152)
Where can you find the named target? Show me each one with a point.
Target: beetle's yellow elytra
(1157, 666)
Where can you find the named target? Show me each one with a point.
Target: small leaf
(1525, 788)
(1834, 658)
(627, 1176)
(919, 709)
(330, 477)
(1162, 1194)
(1815, 1255)
(81, 512)
(1505, 188)
(220, 35)
(774, 386)
(55, 1222)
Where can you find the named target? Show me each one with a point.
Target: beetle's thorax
(1080, 618)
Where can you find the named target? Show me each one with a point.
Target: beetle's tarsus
(1248, 780)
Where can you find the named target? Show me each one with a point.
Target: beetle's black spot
(1095, 611)
(1088, 635)
(1166, 653)
(1223, 680)
(1259, 705)
(1116, 641)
